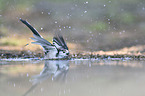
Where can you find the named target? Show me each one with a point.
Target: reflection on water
(72, 78)
(56, 70)
(52, 68)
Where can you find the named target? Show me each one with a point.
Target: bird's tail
(37, 37)
(30, 27)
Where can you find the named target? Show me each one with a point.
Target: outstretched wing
(38, 38)
(59, 42)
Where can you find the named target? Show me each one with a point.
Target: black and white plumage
(57, 50)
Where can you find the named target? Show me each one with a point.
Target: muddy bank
(19, 54)
(29, 54)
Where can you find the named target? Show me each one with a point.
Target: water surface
(72, 78)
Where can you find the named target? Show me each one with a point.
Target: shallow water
(72, 78)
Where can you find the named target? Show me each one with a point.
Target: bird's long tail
(30, 27)
(37, 37)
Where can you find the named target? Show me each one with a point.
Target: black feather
(38, 38)
(60, 41)
(31, 28)
(64, 44)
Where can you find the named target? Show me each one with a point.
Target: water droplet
(143, 8)
(86, 2)
(69, 27)
(123, 31)
(104, 5)
(27, 74)
(55, 22)
(49, 13)
(42, 12)
(41, 28)
(109, 1)
(14, 85)
(85, 11)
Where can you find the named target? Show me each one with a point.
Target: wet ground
(72, 78)
(15, 54)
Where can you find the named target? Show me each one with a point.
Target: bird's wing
(59, 42)
(38, 38)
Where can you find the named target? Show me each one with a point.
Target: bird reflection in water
(56, 70)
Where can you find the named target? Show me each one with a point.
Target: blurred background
(91, 26)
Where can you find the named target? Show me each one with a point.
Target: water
(72, 78)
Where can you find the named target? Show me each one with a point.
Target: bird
(57, 50)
